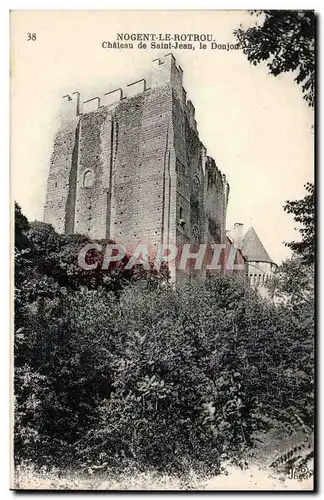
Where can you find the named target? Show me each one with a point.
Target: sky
(257, 128)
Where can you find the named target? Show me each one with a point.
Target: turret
(164, 71)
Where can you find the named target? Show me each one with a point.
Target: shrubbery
(139, 372)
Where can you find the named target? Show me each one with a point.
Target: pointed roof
(252, 248)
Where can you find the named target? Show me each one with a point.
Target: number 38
(31, 36)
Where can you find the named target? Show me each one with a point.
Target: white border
(4, 176)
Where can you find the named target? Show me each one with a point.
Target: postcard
(163, 215)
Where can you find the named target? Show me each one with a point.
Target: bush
(168, 379)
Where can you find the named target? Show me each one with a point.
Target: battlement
(112, 97)
(216, 172)
(190, 111)
(164, 70)
(167, 70)
(135, 88)
(91, 105)
(70, 106)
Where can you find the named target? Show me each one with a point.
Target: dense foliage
(286, 40)
(303, 212)
(111, 370)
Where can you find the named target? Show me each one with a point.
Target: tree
(21, 228)
(293, 282)
(152, 376)
(286, 39)
(196, 373)
(303, 212)
(48, 346)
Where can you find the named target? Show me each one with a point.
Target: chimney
(237, 234)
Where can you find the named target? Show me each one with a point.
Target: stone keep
(130, 166)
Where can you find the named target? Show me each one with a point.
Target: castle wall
(92, 179)
(259, 275)
(61, 184)
(202, 190)
(142, 167)
(130, 166)
(216, 198)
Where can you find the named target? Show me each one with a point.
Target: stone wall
(61, 184)
(92, 178)
(260, 274)
(130, 166)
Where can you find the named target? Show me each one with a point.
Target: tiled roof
(252, 248)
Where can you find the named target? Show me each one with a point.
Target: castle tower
(260, 267)
(130, 166)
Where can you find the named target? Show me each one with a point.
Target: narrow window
(87, 179)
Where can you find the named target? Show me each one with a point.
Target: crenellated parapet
(163, 71)
(70, 106)
(166, 70)
(215, 175)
